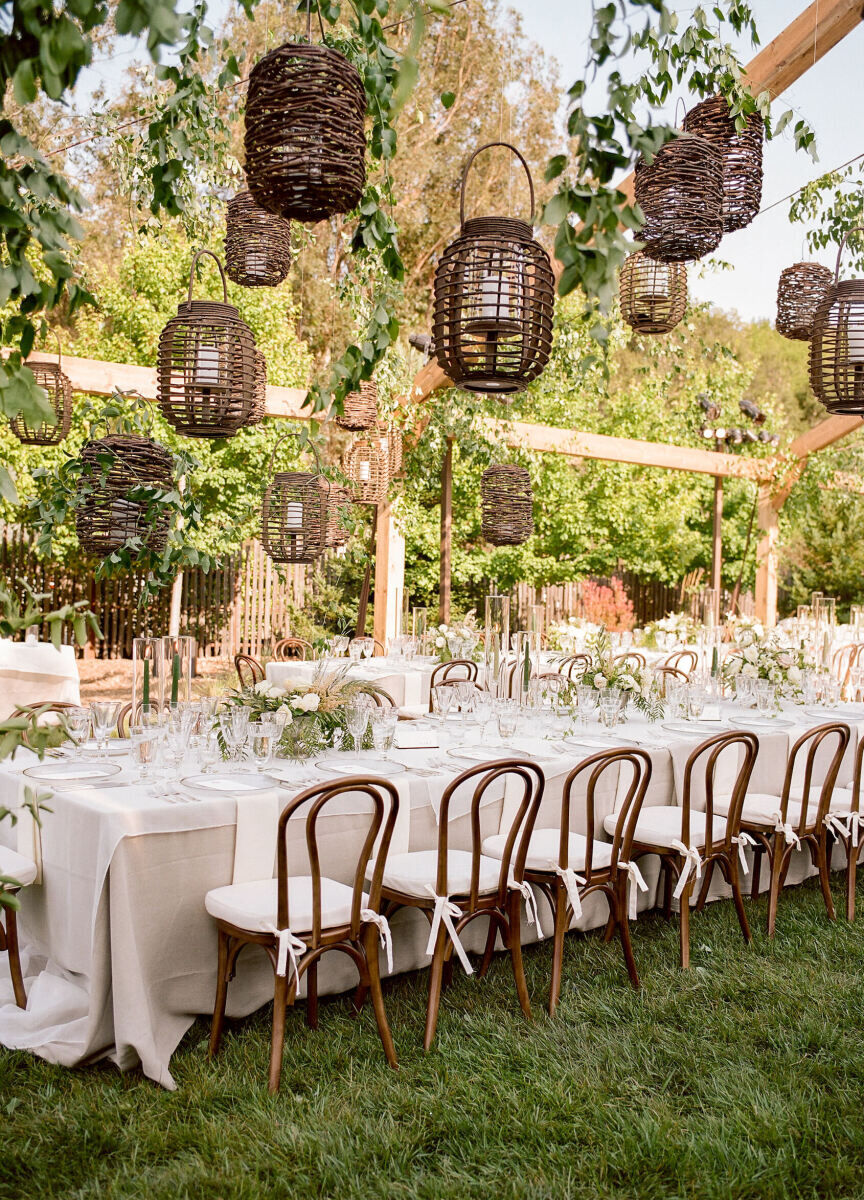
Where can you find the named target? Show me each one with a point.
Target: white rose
(286, 709)
(751, 654)
(439, 642)
(733, 666)
(628, 683)
(600, 682)
(749, 670)
(785, 659)
(309, 702)
(442, 628)
(793, 675)
(263, 688)
(275, 692)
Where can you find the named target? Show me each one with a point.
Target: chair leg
(684, 924)
(312, 995)
(436, 973)
(758, 851)
(558, 931)
(706, 884)
(623, 921)
(824, 875)
(851, 872)
(221, 995)
(371, 948)
(667, 889)
(280, 1002)
(776, 882)
(489, 948)
(514, 916)
(738, 899)
(15, 958)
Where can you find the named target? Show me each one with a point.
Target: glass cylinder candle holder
(419, 627)
(537, 621)
(496, 642)
(148, 676)
(177, 654)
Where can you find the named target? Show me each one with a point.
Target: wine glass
(384, 729)
(357, 720)
(262, 742)
(765, 697)
(144, 739)
(77, 721)
(443, 695)
(586, 700)
(104, 716)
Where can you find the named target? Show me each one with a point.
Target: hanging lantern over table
(114, 467)
(205, 369)
(507, 505)
(652, 294)
(494, 299)
(366, 465)
(294, 513)
(339, 501)
(360, 408)
(800, 290)
(742, 157)
(681, 195)
(305, 136)
(58, 389)
(390, 437)
(837, 343)
(257, 243)
(258, 411)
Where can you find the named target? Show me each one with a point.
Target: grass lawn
(742, 1078)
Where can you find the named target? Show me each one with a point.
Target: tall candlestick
(145, 694)
(175, 677)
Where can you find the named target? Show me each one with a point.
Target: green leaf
(448, 99)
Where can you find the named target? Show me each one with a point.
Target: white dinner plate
(841, 713)
(590, 742)
(68, 771)
(536, 748)
(114, 747)
(477, 754)
(360, 766)
(695, 728)
(763, 722)
(231, 782)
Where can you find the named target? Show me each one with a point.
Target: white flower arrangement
(745, 630)
(768, 659)
(603, 672)
(669, 631)
(569, 636)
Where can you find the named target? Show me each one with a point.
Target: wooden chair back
(43, 709)
(379, 695)
(289, 648)
(249, 670)
(810, 743)
(682, 660)
(378, 650)
(458, 669)
(707, 754)
(664, 674)
(632, 657)
(628, 814)
(574, 664)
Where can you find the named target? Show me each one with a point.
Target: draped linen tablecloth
(407, 682)
(34, 671)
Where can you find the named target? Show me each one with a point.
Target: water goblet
(831, 692)
(354, 650)
(261, 742)
(443, 695)
(384, 729)
(586, 700)
(77, 722)
(507, 714)
(104, 716)
(357, 721)
(765, 693)
(144, 739)
(695, 701)
(610, 709)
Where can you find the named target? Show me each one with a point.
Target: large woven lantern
(507, 505)
(800, 290)
(294, 513)
(681, 195)
(652, 294)
(110, 513)
(742, 157)
(494, 298)
(367, 466)
(305, 137)
(360, 408)
(205, 369)
(258, 411)
(837, 344)
(58, 389)
(257, 243)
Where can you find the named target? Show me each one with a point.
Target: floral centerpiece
(769, 659)
(452, 641)
(604, 672)
(569, 636)
(671, 630)
(745, 631)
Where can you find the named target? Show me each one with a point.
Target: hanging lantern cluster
(205, 369)
(652, 294)
(360, 408)
(109, 514)
(295, 513)
(800, 290)
(494, 299)
(507, 505)
(837, 343)
(742, 157)
(257, 243)
(58, 389)
(367, 466)
(681, 195)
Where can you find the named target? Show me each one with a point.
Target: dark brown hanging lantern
(652, 294)
(681, 195)
(109, 513)
(339, 501)
(205, 369)
(294, 513)
(305, 136)
(494, 299)
(366, 465)
(742, 157)
(58, 389)
(360, 408)
(257, 243)
(259, 391)
(837, 344)
(507, 505)
(800, 290)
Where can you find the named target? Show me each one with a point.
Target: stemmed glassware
(144, 740)
(357, 721)
(234, 724)
(443, 696)
(586, 701)
(610, 706)
(507, 714)
(77, 721)
(262, 739)
(104, 715)
(384, 729)
(765, 692)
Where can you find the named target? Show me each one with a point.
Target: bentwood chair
(682, 660)
(688, 840)
(249, 670)
(453, 888)
(453, 671)
(16, 872)
(574, 664)
(663, 676)
(298, 918)
(568, 866)
(632, 658)
(291, 649)
(381, 698)
(378, 650)
(45, 708)
(844, 821)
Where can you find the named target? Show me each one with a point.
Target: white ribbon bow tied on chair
(571, 882)
(383, 926)
(692, 862)
(844, 825)
(289, 947)
(531, 912)
(634, 881)
(446, 910)
(743, 839)
(790, 836)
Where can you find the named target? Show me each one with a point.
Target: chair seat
(410, 873)
(761, 808)
(253, 905)
(15, 866)
(660, 825)
(544, 847)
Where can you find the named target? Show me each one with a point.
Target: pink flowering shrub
(609, 606)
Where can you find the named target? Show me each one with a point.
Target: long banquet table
(119, 954)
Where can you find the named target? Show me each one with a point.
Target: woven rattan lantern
(494, 297)
(837, 344)
(259, 391)
(294, 513)
(681, 195)
(58, 389)
(507, 505)
(205, 369)
(305, 138)
(742, 157)
(109, 514)
(360, 408)
(800, 290)
(257, 243)
(367, 466)
(390, 439)
(652, 294)
(339, 501)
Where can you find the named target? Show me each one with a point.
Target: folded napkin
(409, 737)
(255, 838)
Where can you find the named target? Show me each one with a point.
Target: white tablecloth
(36, 671)
(406, 682)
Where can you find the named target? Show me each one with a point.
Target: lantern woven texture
(800, 289)
(742, 157)
(837, 344)
(390, 439)
(652, 295)
(257, 243)
(366, 465)
(305, 138)
(205, 369)
(339, 502)
(494, 299)
(681, 195)
(360, 408)
(507, 505)
(114, 467)
(258, 411)
(295, 514)
(58, 389)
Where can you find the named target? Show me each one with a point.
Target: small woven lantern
(507, 505)
(837, 344)
(681, 195)
(742, 157)
(114, 467)
(259, 391)
(58, 389)
(360, 409)
(257, 243)
(494, 298)
(305, 137)
(653, 295)
(294, 513)
(390, 439)
(366, 465)
(800, 290)
(205, 369)
(339, 501)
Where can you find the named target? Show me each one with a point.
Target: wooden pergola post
(389, 574)
(446, 534)
(768, 516)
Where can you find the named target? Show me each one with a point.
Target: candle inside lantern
(364, 472)
(855, 343)
(294, 515)
(207, 366)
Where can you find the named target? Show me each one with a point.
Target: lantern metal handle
(199, 254)
(309, 445)
(846, 236)
(479, 150)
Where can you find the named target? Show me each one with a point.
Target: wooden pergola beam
(824, 434)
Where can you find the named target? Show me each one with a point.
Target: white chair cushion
(410, 873)
(660, 825)
(760, 808)
(544, 847)
(253, 905)
(16, 866)
(841, 800)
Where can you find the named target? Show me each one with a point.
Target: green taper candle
(175, 677)
(145, 698)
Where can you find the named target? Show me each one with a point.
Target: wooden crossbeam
(824, 434)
